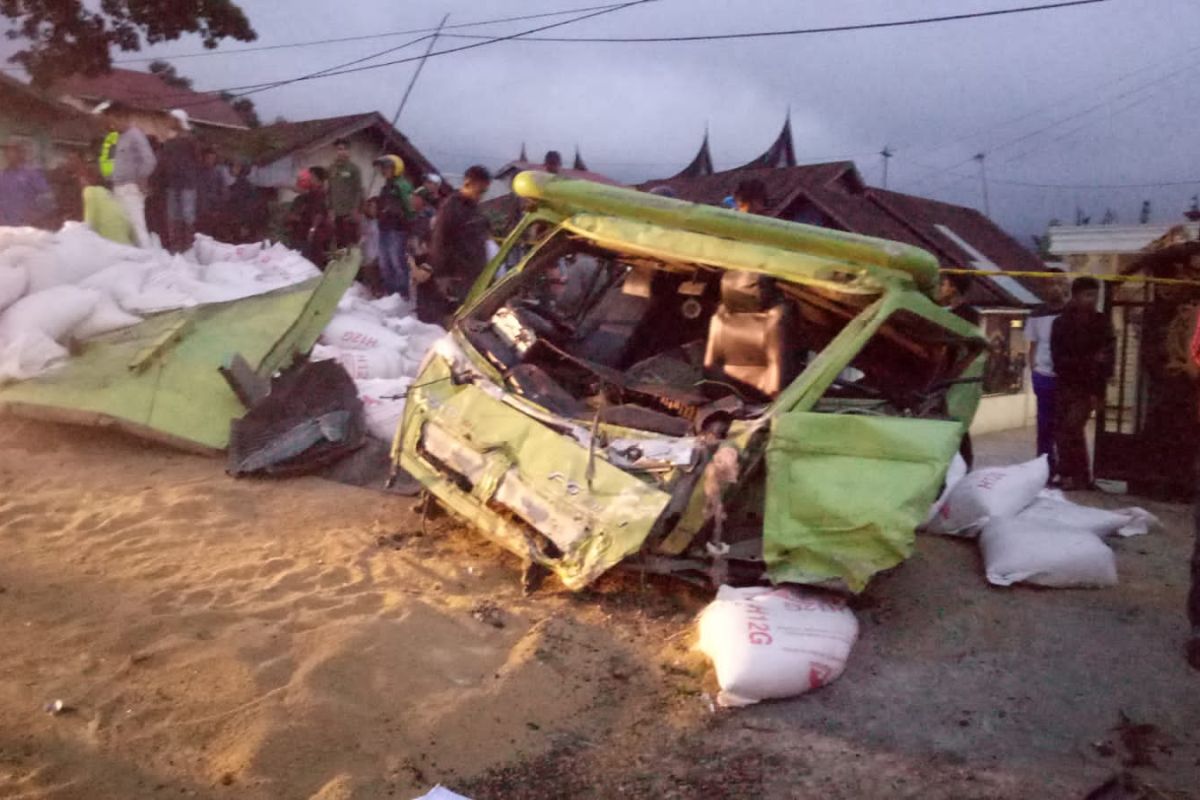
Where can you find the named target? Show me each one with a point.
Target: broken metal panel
(526, 485)
(653, 241)
(161, 379)
(846, 492)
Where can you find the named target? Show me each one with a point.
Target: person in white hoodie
(133, 163)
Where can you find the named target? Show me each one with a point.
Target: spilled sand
(303, 640)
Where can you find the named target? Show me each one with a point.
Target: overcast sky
(937, 94)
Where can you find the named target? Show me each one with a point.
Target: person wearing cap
(179, 163)
(133, 162)
(345, 194)
(395, 219)
(25, 196)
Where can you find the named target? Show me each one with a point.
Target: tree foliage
(166, 71)
(71, 36)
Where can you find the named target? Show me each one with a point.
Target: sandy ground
(301, 639)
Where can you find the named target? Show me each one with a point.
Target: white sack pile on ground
(1030, 534)
(381, 344)
(769, 644)
(73, 285)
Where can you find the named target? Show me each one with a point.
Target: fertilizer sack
(767, 644)
(985, 494)
(1051, 510)
(1019, 550)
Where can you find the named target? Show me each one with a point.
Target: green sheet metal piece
(160, 379)
(522, 483)
(845, 492)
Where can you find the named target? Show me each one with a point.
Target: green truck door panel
(846, 492)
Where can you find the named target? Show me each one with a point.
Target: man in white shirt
(1037, 333)
(133, 163)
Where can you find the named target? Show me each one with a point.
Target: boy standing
(1037, 333)
(395, 214)
(1082, 346)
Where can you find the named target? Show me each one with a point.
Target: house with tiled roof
(146, 98)
(834, 195)
(50, 126)
(278, 152)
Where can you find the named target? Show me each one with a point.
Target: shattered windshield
(667, 347)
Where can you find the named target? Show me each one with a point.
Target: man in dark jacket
(179, 166)
(458, 250)
(308, 223)
(1082, 346)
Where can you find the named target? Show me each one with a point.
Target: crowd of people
(426, 243)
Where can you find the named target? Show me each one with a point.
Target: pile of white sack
(73, 285)
(1030, 534)
(381, 343)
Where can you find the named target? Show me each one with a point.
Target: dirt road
(214, 638)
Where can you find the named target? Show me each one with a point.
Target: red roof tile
(144, 90)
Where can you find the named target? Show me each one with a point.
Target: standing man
(552, 163)
(179, 163)
(1193, 647)
(345, 195)
(458, 250)
(1037, 333)
(395, 215)
(1082, 347)
(133, 162)
(25, 197)
(211, 192)
(952, 294)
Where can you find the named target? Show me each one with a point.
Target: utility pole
(408, 89)
(887, 154)
(987, 210)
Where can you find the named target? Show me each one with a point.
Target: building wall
(1004, 412)
(364, 149)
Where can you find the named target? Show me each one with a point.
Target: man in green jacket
(345, 195)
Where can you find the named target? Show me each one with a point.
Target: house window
(1007, 352)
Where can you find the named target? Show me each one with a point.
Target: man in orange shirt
(1193, 648)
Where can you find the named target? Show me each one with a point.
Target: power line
(345, 69)
(798, 31)
(360, 38)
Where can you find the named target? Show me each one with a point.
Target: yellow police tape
(1060, 275)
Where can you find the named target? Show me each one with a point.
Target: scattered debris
(1142, 741)
(57, 708)
(488, 613)
(441, 793)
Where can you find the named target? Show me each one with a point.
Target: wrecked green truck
(686, 390)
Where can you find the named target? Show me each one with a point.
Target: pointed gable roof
(579, 165)
(700, 166)
(781, 153)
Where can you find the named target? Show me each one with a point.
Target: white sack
(992, 493)
(79, 252)
(54, 312)
(1018, 551)
(23, 237)
(13, 282)
(106, 317)
(955, 473)
(28, 355)
(1053, 511)
(773, 643)
(379, 363)
(353, 332)
(383, 405)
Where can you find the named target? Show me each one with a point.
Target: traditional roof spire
(701, 165)
(579, 165)
(781, 153)
(523, 157)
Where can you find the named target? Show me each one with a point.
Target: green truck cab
(688, 390)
